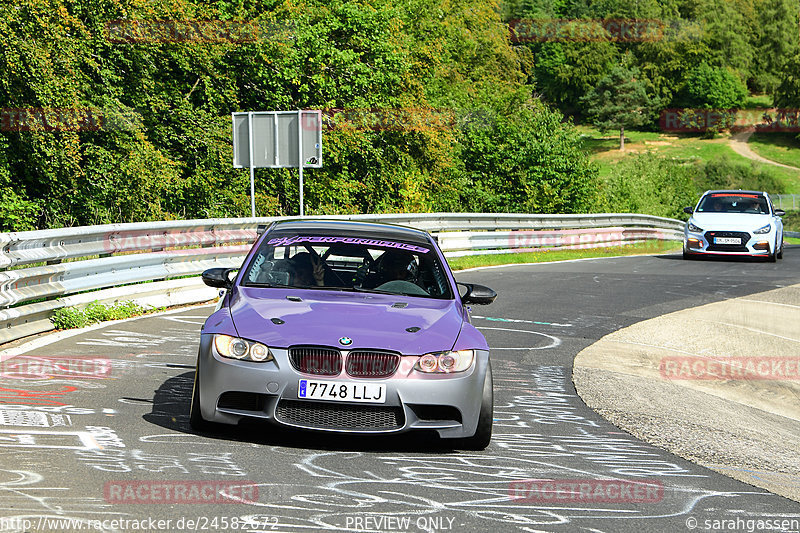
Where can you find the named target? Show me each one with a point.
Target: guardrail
(786, 202)
(149, 262)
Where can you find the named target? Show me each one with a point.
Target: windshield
(734, 203)
(349, 264)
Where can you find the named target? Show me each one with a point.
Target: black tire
(780, 252)
(771, 258)
(196, 420)
(687, 255)
(483, 434)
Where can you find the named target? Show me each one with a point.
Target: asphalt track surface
(66, 443)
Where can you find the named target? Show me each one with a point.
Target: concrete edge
(744, 429)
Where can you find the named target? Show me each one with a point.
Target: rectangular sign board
(280, 139)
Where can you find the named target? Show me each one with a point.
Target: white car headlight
(694, 229)
(445, 362)
(763, 230)
(244, 350)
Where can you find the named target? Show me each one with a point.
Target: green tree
(528, 162)
(619, 101)
(787, 94)
(777, 42)
(730, 33)
(712, 88)
(566, 71)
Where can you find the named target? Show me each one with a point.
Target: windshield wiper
(391, 293)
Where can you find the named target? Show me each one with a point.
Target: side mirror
(477, 294)
(780, 212)
(688, 210)
(218, 277)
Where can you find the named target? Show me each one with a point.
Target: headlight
(763, 230)
(236, 348)
(694, 229)
(445, 362)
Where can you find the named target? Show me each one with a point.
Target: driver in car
(308, 270)
(393, 265)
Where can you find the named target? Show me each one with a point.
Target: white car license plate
(341, 391)
(727, 240)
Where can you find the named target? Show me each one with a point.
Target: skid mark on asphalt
(520, 321)
(554, 341)
(540, 433)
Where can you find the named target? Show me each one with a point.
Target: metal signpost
(277, 139)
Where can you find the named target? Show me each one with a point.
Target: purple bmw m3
(345, 327)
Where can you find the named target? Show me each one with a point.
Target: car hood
(371, 320)
(730, 221)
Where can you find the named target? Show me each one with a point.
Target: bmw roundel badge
(345, 341)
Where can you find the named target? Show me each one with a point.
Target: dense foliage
(741, 43)
(649, 184)
(143, 128)
(706, 87)
(163, 148)
(646, 183)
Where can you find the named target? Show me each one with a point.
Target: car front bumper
(753, 245)
(231, 390)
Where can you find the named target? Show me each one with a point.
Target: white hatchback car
(734, 223)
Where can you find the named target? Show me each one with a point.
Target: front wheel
(483, 434)
(196, 420)
(780, 252)
(773, 257)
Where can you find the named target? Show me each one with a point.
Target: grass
(79, 317)
(685, 147)
(758, 101)
(555, 254)
(781, 147)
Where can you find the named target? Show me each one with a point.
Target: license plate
(339, 391)
(727, 240)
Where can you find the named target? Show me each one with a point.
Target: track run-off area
(105, 444)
